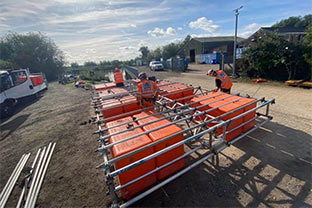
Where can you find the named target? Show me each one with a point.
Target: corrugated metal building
(206, 45)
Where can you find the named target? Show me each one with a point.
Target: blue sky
(96, 30)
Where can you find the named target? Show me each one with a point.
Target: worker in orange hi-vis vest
(118, 78)
(147, 91)
(223, 81)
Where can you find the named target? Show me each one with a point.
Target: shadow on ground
(9, 127)
(270, 167)
(21, 105)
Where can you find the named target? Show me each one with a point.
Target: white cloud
(159, 32)
(249, 30)
(180, 28)
(204, 24)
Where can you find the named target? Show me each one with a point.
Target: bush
(275, 58)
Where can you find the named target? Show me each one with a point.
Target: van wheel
(8, 109)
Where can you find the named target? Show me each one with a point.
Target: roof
(217, 39)
(285, 29)
(3, 72)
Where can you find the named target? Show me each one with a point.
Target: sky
(98, 30)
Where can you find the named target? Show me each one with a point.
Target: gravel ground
(269, 168)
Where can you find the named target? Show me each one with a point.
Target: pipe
(20, 200)
(42, 175)
(13, 181)
(11, 177)
(29, 204)
(34, 178)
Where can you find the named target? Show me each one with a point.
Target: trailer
(145, 149)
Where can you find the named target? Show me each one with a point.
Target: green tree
(34, 51)
(145, 51)
(275, 58)
(7, 65)
(90, 63)
(170, 50)
(74, 65)
(295, 22)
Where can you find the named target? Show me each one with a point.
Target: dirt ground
(270, 168)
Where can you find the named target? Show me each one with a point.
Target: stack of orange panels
(160, 134)
(176, 91)
(104, 86)
(128, 146)
(129, 104)
(111, 108)
(222, 103)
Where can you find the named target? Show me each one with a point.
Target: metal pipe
(13, 181)
(20, 200)
(11, 177)
(34, 178)
(158, 168)
(114, 160)
(29, 204)
(42, 175)
(149, 157)
(109, 181)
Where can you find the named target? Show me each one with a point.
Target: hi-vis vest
(225, 80)
(147, 89)
(118, 77)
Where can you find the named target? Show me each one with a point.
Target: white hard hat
(211, 72)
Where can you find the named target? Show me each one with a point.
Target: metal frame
(202, 136)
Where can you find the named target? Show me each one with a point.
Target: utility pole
(235, 40)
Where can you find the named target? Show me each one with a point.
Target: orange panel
(160, 134)
(203, 100)
(128, 146)
(111, 107)
(186, 91)
(104, 86)
(249, 116)
(129, 104)
(235, 123)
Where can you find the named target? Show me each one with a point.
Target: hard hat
(211, 72)
(116, 69)
(142, 75)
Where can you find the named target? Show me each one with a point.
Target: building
(208, 45)
(291, 34)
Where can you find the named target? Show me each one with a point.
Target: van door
(22, 85)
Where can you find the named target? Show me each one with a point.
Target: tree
(295, 22)
(7, 65)
(34, 51)
(90, 63)
(170, 50)
(74, 65)
(145, 51)
(275, 58)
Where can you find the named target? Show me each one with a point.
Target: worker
(223, 82)
(147, 91)
(118, 78)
